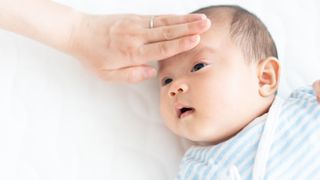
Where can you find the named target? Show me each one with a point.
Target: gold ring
(151, 23)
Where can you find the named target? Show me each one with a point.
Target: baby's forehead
(201, 51)
(171, 61)
(163, 64)
(210, 42)
(170, 64)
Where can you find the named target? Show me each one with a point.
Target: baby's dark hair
(246, 30)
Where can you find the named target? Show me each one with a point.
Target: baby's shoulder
(304, 93)
(301, 99)
(300, 111)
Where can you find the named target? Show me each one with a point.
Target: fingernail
(195, 38)
(148, 73)
(205, 22)
(199, 16)
(203, 16)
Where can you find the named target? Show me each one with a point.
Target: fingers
(316, 88)
(132, 74)
(166, 20)
(165, 49)
(175, 31)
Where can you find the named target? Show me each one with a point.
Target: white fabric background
(57, 121)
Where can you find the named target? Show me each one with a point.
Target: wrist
(72, 34)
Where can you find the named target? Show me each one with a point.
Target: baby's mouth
(184, 111)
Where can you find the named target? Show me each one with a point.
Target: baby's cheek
(161, 100)
(164, 110)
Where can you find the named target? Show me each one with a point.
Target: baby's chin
(208, 142)
(204, 141)
(197, 132)
(211, 137)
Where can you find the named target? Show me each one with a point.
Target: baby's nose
(182, 88)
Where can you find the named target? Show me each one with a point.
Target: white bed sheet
(58, 121)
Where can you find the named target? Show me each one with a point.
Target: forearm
(41, 20)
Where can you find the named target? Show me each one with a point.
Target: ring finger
(176, 31)
(167, 20)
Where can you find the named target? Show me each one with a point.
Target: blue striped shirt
(283, 144)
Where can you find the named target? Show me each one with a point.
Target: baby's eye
(198, 67)
(166, 81)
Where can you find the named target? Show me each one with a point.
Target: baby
(222, 94)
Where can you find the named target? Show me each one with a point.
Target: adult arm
(116, 47)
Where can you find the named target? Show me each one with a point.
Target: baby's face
(206, 92)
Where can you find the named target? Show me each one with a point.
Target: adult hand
(118, 47)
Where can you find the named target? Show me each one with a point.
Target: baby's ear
(268, 76)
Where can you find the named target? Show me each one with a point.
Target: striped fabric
(283, 144)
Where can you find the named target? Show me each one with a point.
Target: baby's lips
(186, 112)
(179, 107)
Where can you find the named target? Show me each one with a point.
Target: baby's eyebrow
(160, 71)
(203, 53)
(206, 49)
(161, 75)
